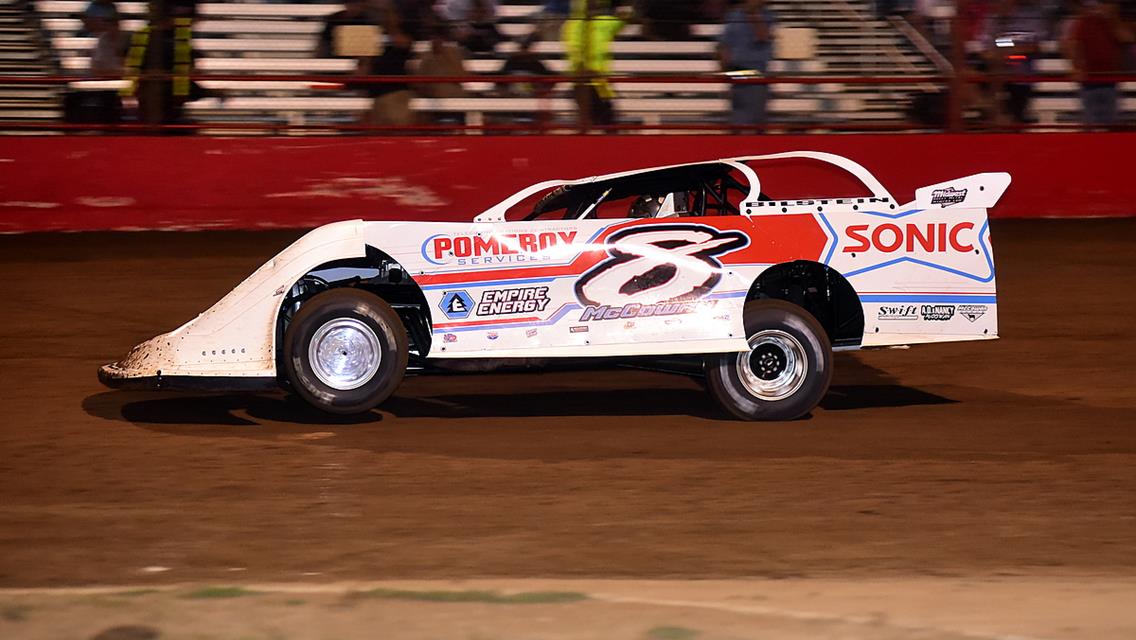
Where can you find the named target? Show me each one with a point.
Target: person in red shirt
(1094, 42)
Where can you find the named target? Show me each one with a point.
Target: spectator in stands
(108, 56)
(525, 62)
(103, 106)
(971, 22)
(552, 17)
(445, 59)
(745, 47)
(354, 12)
(401, 21)
(1009, 43)
(587, 37)
(932, 19)
(164, 48)
(1095, 42)
(96, 9)
(473, 22)
(457, 11)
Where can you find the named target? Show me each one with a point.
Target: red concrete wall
(126, 182)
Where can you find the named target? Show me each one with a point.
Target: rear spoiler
(979, 191)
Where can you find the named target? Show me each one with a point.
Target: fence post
(960, 71)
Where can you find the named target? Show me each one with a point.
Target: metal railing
(543, 107)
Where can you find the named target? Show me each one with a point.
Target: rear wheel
(785, 373)
(345, 351)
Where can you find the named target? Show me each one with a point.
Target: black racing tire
(786, 372)
(345, 351)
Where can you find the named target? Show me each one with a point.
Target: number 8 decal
(658, 263)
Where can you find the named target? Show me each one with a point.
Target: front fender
(237, 335)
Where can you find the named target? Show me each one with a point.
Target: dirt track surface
(1009, 458)
(542, 609)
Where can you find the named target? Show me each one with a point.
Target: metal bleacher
(22, 54)
(253, 38)
(279, 39)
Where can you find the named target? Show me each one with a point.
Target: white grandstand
(279, 39)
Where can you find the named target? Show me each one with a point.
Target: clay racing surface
(1012, 458)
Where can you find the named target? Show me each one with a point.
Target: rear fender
(924, 271)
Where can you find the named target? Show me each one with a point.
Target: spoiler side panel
(924, 271)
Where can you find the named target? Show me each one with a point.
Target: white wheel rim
(774, 367)
(345, 354)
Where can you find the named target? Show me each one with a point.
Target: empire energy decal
(498, 302)
(656, 271)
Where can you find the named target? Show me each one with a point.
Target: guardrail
(542, 106)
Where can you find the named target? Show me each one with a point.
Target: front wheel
(785, 373)
(345, 351)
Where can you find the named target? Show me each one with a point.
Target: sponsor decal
(931, 237)
(506, 248)
(937, 312)
(456, 304)
(630, 324)
(531, 333)
(972, 312)
(492, 335)
(948, 196)
(449, 337)
(898, 312)
(667, 264)
(593, 313)
(500, 302)
(583, 329)
(724, 316)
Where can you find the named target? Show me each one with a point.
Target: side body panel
(592, 287)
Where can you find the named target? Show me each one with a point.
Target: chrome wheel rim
(774, 367)
(345, 353)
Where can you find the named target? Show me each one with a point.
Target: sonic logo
(495, 248)
(938, 237)
(670, 263)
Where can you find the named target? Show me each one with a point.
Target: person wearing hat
(746, 46)
(99, 106)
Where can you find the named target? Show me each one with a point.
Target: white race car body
(584, 285)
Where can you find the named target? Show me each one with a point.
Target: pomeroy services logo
(493, 249)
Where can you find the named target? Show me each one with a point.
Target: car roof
(496, 213)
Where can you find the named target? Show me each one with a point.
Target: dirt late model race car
(683, 260)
